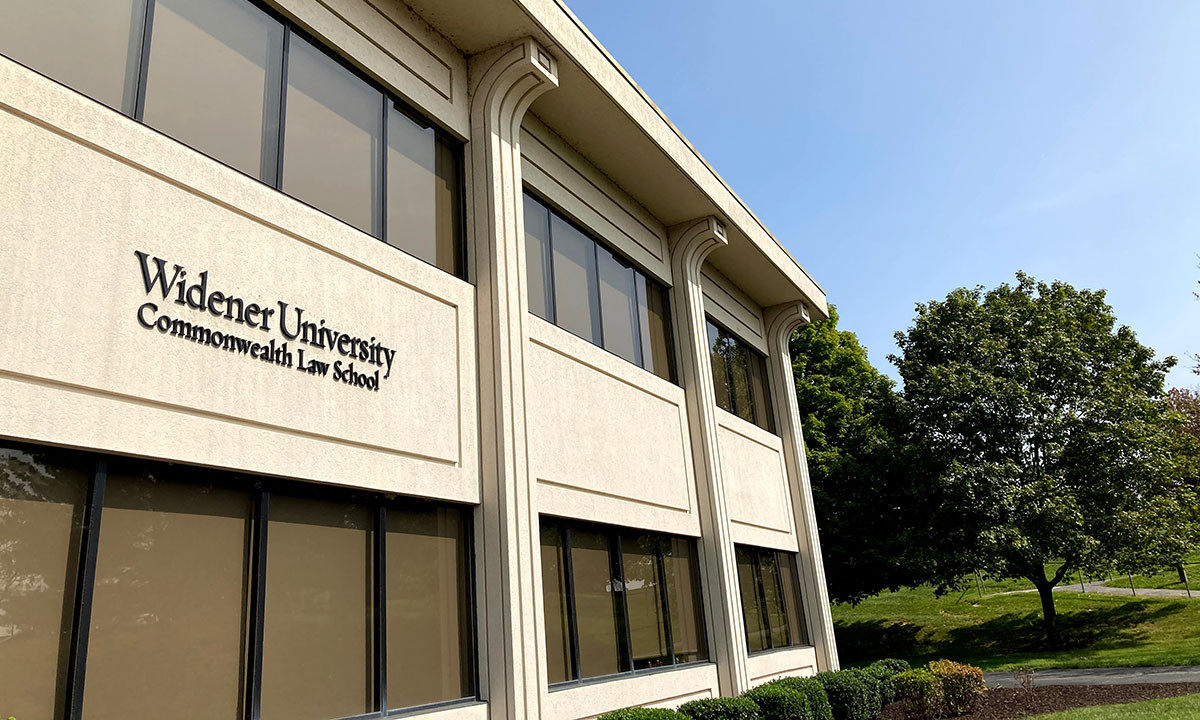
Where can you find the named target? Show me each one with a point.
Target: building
(362, 359)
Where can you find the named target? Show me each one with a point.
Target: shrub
(778, 702)
(848, 695)
(922, 692)
(811, 688)
(738, 708)
(962, 685)
(884, 671)
(638, 713)
(874, 691)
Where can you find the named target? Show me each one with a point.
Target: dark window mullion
(572, 618)
(380, 643)
(380, 184)
(274, 90)
(621, 608)
(551, 298)
(258, 589)
(666, 600)
(81, 623)
(142, 71)
(783, 600)
(599, 305)
(283, 92)
(761, 588)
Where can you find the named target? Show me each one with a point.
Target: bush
(738, 708)
(874, 688)
(810, 688)
(778, 702)
(638, 713)
(849, 696)
(921, 690)
(884, 671)
(962, 686)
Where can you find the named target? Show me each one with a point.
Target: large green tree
(876, 495)
(1048, 423)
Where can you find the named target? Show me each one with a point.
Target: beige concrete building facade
(363, 358)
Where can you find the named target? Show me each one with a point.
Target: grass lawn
(1164, 579)
(1180, 708)
(1003, 631)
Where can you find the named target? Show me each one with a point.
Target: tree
(1049, 423)
(873, 491)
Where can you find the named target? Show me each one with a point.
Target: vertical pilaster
(782, 320)
(691, 243)
(503, 83)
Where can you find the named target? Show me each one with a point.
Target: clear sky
(902, 149)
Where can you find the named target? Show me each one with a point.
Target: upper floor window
(154, 590)
(244, 86)
(740, 378)
(581, 286)
(618, 601)
(770, 590)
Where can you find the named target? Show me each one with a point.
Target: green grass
(999, 632)
(1180, 708)
(1164, 579)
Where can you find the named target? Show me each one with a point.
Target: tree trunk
(1049, 614)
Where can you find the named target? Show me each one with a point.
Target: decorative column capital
(782, 321)
(505, 80)
(692, 242)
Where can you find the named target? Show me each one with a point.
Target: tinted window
(213, 67)
(332, 132)
(93, 46)
(41, 514)
(622, 601)
(170, 588)
(422, 191)
(771, 603)
(739, 378)
(585, 288)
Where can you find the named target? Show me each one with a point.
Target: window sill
(571, 684)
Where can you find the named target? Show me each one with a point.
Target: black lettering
(140, 315)
(160, 275)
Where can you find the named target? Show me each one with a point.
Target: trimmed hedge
(811, 688)
(738, 708)
(922, 692)
(849, 696)
(884, 671)
(962, 686)
(638, 713)
(778, 702)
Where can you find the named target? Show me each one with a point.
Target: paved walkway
(1099, 676)
(1099, 587)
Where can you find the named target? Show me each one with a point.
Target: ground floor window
(618, 600)
(137, 589)
(771, 602)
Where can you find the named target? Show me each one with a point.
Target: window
(771, 603)
(618, 601)
(581, 286)
(303, 602)
(739, 378)
(246, 87)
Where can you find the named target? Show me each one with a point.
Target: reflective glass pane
(720, 351)
(537, 258)
(170, 593)
(657, 356)
(554, 605)
(772, 593)
(41, 513)
(93, 46)
(332, 130)
(759, 392)
(213, 78)
(317, 646)
(595, 604)
(428, 629)
(576, 294)
(680, 570)
(644, 599)
(738, 358)
(618, 306)
(757, 633)
(793, 602)
(422, 191)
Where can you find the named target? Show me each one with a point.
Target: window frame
(757, 554)
(275, 113)
(756, 362)
(565, 526)
(641, 344)
(259, 489)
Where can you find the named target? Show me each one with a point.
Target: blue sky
(901, 150)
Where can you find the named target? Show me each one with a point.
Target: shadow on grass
(1010, 636)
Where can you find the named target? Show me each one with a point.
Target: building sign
(182, 304)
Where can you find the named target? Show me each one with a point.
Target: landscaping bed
(1006, 703)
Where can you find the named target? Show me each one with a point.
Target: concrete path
(1099, 587)
(1099, 676)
